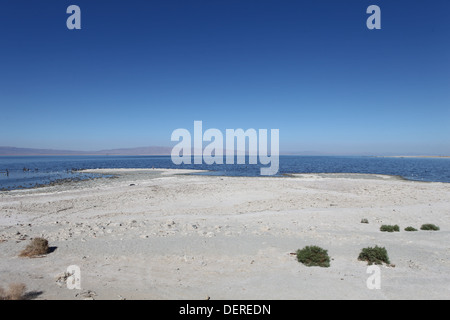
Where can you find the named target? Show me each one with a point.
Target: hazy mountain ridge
(13, 151)
(158, 150)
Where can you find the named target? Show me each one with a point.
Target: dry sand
(155, 234)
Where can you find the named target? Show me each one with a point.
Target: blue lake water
(41, 170)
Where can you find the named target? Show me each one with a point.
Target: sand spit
(165, 234)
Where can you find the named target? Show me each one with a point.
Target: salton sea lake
(32, 171)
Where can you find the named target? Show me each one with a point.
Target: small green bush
(375, 255)
(389, 228)
(410, 229)
(312, 256)
(364, 221)
(430, 227)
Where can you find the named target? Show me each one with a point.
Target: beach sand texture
(162, 234)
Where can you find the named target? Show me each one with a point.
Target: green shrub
(389, 228)
(410, 229)
(313, 256)
(375, 255)
(429, 226)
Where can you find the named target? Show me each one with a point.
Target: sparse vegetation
(15, 291)
(364, 221)
(37, 247)
(312, 256)
(375, 255)
(429, 227)
(389, 228)
(410, 229)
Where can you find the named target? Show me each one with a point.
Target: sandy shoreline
(162, 234)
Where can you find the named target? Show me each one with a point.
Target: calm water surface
(31, 171)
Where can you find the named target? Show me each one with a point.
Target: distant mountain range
(151, 151)
(159, 151)
(147, 151)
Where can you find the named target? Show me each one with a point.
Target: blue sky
(137, 70)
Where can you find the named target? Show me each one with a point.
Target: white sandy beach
(159, 234)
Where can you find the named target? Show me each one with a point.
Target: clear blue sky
(140, 69)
